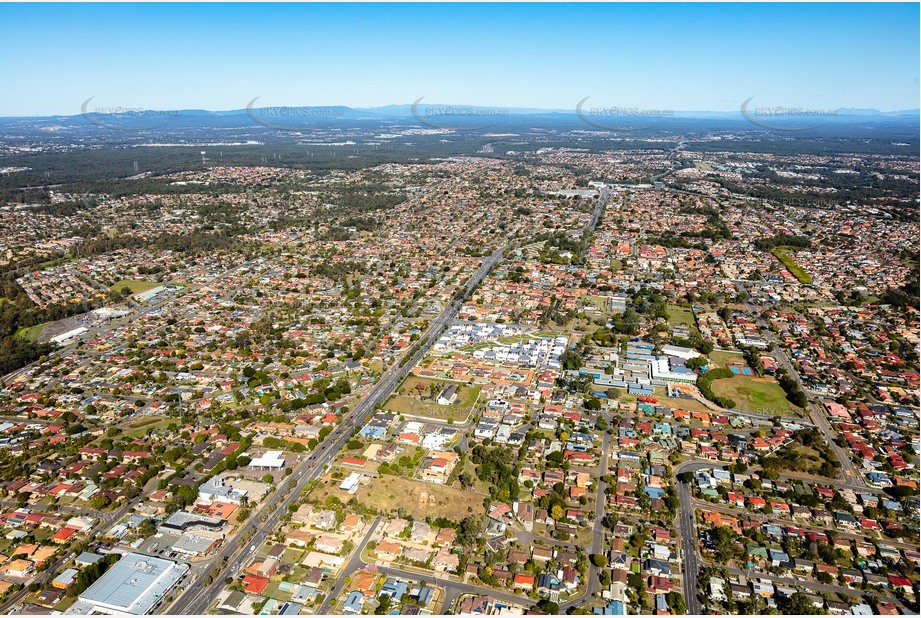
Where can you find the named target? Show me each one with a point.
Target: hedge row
(703, 383)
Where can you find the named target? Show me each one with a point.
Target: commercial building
(133, 586)
(65, 337)
(270, 460)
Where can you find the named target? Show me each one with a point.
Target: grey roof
(88, 558)
(193, 544)
(133, 585)
(183, 520)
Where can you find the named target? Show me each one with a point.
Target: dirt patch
(417, 498)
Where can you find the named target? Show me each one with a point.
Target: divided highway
(690, 564)
(198, 597)
(105, 520)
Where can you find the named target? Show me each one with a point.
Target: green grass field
(137, 427)
(724, 359)
(783, 254)
(761, 395)
(30, 333)
(681, 315)
(135, 285)
(407, 401)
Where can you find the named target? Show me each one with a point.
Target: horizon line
(576, 110)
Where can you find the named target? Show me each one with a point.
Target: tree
(383, 606)
(146, 528)
(599, 560)
(635, 581)
(676, 603)
(99, 502)
(799, 603)
(556, 512)
(605, 579)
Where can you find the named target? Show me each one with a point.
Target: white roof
(269, 459)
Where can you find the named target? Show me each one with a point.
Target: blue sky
(652, 56)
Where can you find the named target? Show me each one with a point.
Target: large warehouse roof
(132, 586)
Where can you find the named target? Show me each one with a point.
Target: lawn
(407, 402)
(30, 333)
(135, 285)
(761, 395)
(681, 315)
(782, 254)
(724, 359)
(598, 302)
(137, 427)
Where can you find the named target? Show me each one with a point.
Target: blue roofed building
(375, 432)
(614, 608)
(354, 603)
(290, 608)
(394, 588)
(425, 596)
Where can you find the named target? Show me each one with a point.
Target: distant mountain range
(407, 111)
(587, 116)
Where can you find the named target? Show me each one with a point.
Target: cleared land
(410, 400)
(680, 403)
(760, 395)
(782, 254)
(418, 498)
(135, 285)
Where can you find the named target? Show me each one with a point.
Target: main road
(593, 222)
(105, 519)
(850, 475)
(690, 564)
(198, 597)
